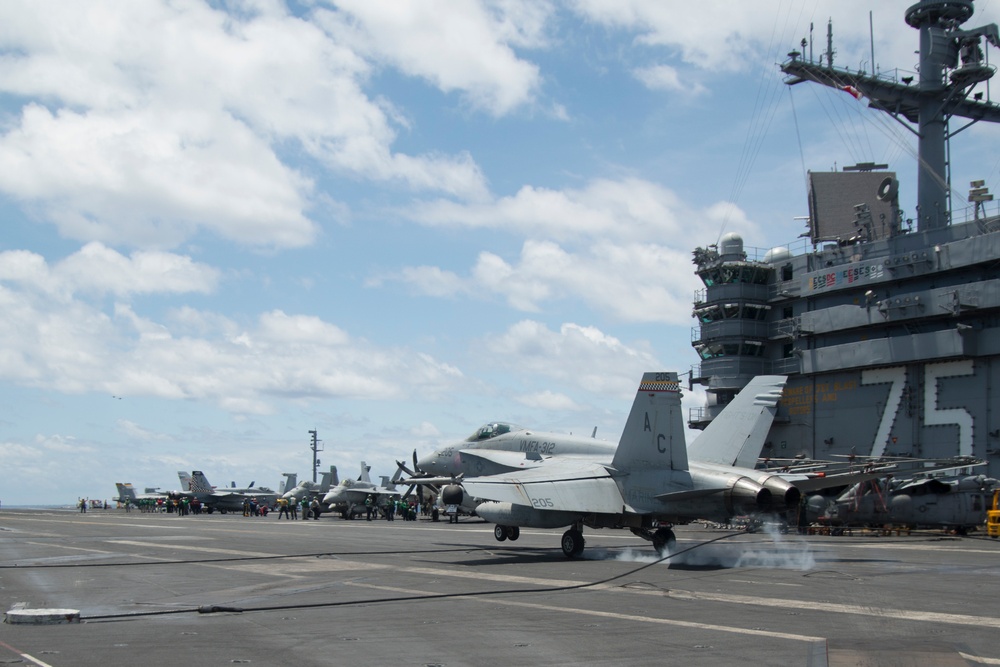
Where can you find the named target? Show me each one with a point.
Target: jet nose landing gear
(506, 533)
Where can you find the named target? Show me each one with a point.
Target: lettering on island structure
(799, 400)
(849, 276)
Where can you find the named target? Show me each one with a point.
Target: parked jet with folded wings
(348, 497)
(307, 489)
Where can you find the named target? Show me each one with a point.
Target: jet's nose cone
(443, 462)
(428, 463)
(435, 463)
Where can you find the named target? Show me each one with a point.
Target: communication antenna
(315, 446)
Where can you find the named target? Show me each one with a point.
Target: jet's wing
(570, 486)
(509, 460)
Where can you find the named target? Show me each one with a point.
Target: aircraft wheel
(513, 532)
(500, 532)
(664, 541)
(572, 543)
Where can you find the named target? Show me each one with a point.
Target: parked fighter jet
(308, 489)
(226, 499)
(127, 493)
(497, 447)
(958, 503)
(198, 479)
(348, 497)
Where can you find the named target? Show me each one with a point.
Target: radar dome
(731, 244)
(779, 254)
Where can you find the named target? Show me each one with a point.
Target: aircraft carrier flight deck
(159, 589)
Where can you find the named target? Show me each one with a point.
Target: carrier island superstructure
(888, 327)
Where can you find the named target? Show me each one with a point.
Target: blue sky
(226, 224)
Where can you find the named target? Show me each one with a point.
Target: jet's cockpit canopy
(492, 430)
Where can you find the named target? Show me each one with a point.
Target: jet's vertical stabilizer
(199, 483)
(736, 437)
(126, 491)
(326, 480)
(291, 480)
(654, 432)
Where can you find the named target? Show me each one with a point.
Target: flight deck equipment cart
(993, 517)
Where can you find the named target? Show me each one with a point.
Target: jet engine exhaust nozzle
(783, 491)
(747, 495)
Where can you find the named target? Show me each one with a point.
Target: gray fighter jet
(348, 497)
(128, 494)
(653, 480)
(226, 499)
(307, 489)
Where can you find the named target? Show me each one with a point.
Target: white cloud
(425, 430)
(611, 367)
(61, 342)
(430, 280)
(97, 269)
(548, 400)
(740, 34)
(462, 46)
(136, 432)
(634, 282)
(621, 246)
(623, 208)
(665, 77)
(163, 119)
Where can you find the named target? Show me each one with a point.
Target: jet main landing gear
(664, 541)
(572, 543)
